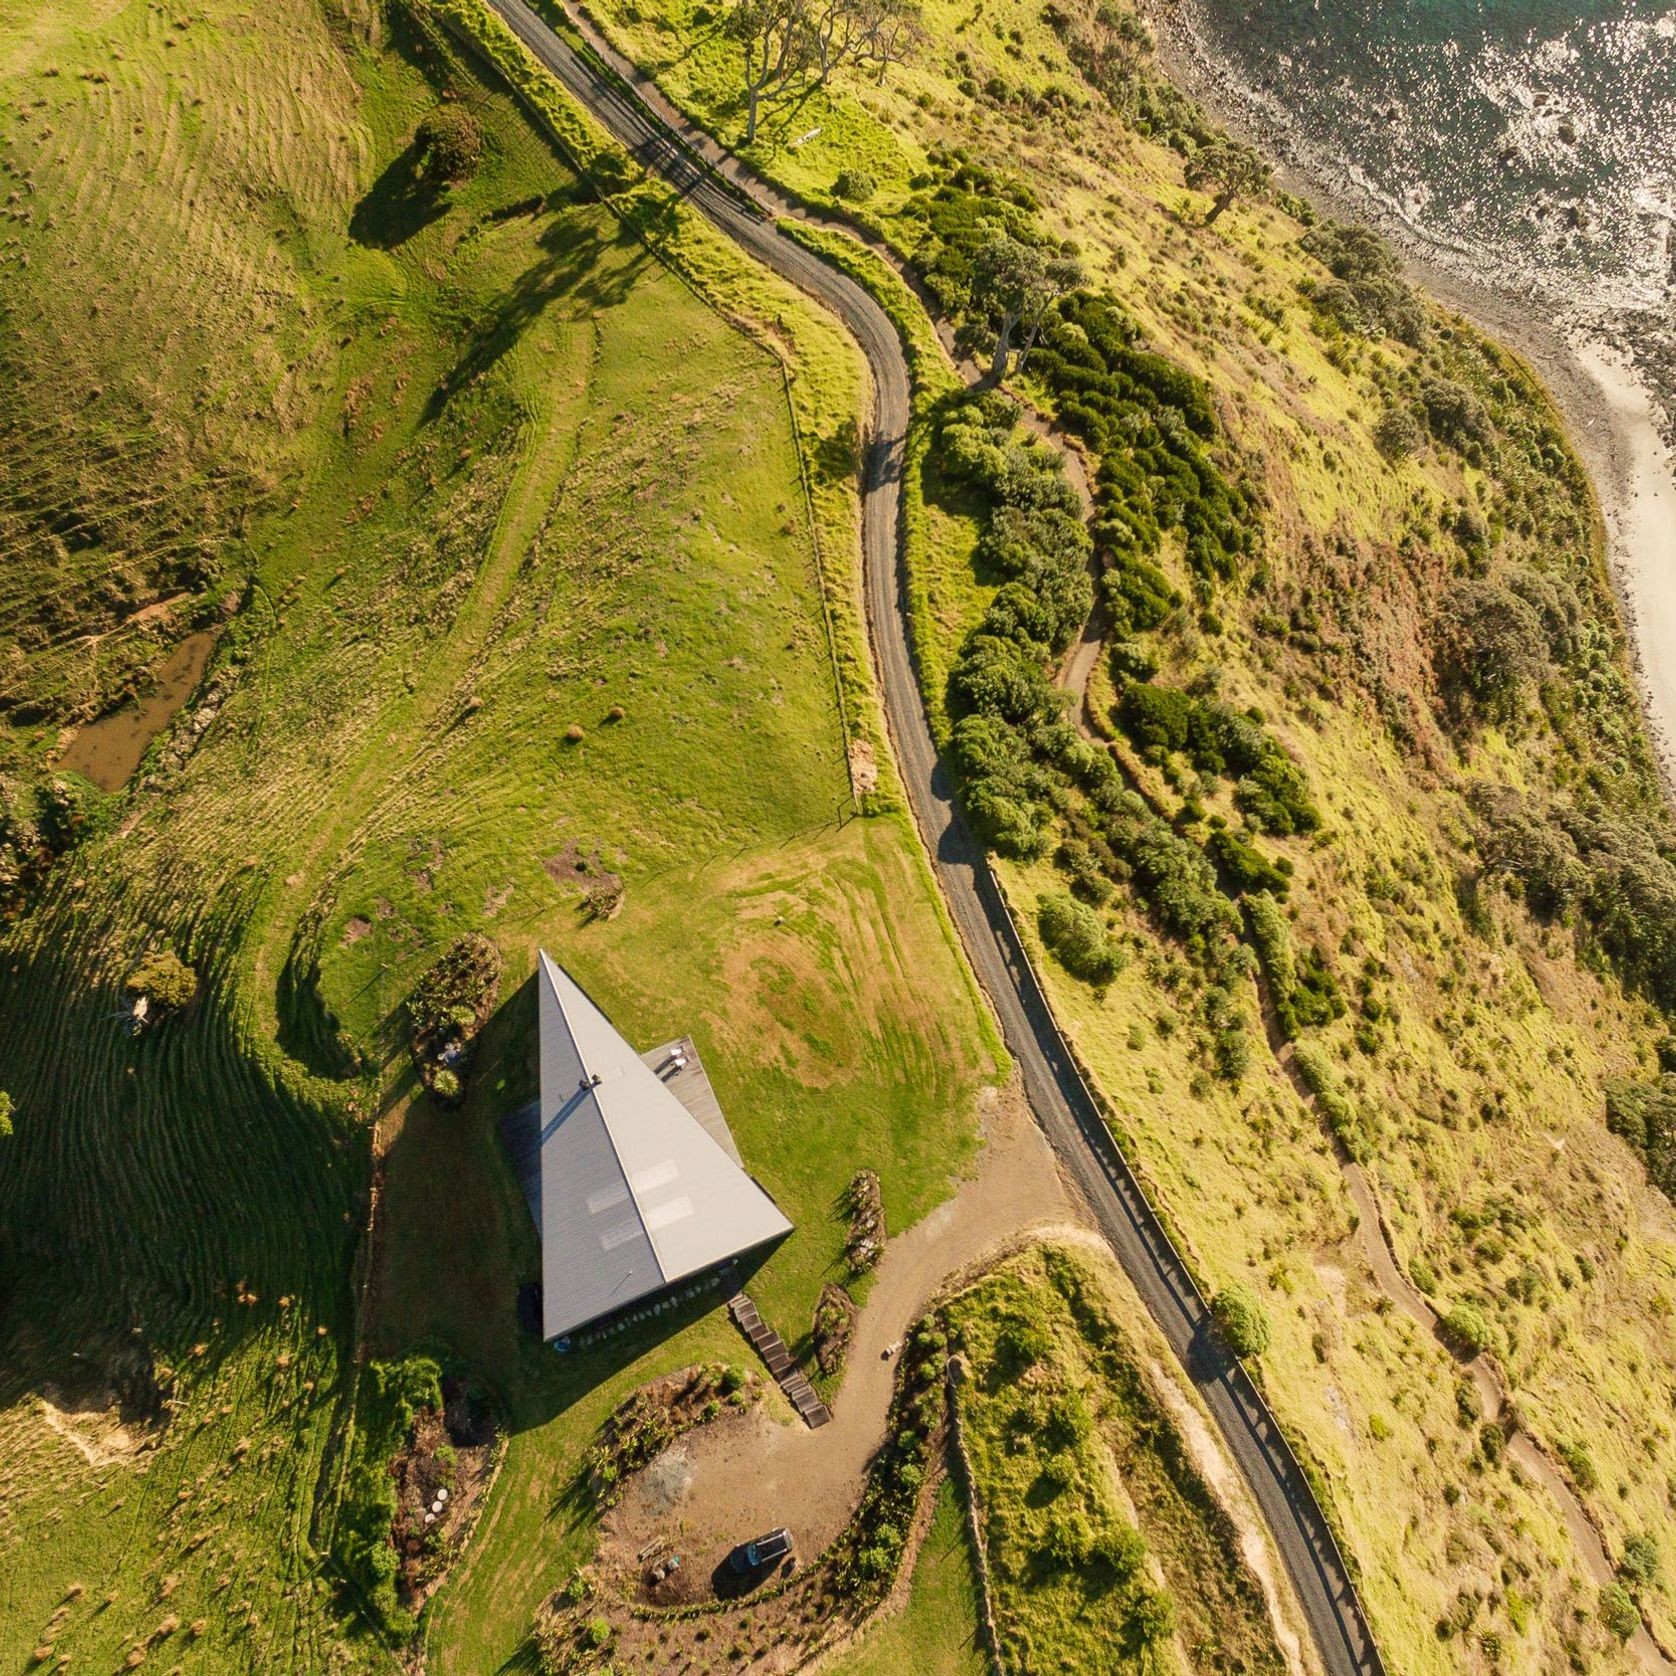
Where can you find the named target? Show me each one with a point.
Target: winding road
(1058, 1096)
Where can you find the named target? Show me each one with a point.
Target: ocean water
(1531, 140)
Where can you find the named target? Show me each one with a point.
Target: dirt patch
(571, 866)
(864, 767)
(95, 1429)
(355, 929)
(751, 1474)
(638, 1433)
(441, 1479)
(108, 750)
(666, 1604)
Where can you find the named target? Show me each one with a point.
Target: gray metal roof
(634, 1193)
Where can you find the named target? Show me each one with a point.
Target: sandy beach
(1612, 416)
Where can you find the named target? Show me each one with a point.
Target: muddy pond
(109, 749)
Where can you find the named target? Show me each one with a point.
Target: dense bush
(1466, 1327)
(1076, 936)
(1618, 1611)
(1369, 294)
(1644, 1114)
(1272, 792)
(1454, 413)
(1612, 867)
(1153, 425)
(1397, 433)
(1244, 866)
(390, 1395)
(1490, 648)
(1005, 747)
(855, 185)
(1639, 1564)
(1336, 1107)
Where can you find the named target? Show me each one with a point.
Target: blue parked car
(764, 1551)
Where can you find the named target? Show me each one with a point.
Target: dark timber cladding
(637, 1192)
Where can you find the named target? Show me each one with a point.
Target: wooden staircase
(771, 1348)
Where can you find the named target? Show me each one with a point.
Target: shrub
(1246, 867)
(5, 1115)
(1077, 938)
(1122, 1548)
(1068, 1541)
(856, 185)
(1242, 1322)
(165, 980)
(1466, 1327)
(1150, 1619)
(1021, 1344)
(1639, 1566)
(449, 144)
(1618, 1611)
(445, 1084)
(1397, 433)
(1580, 1464)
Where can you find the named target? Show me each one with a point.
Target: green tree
(450, 145)
(1227, 170)
(776, 47)
(1015, 284)
(5, 1114)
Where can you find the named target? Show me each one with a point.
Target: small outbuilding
(637, 1184)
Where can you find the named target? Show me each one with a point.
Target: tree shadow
(573, 267)
(400, 204)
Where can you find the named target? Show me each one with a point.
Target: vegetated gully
(1055, 1089)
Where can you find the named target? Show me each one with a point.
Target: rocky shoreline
(1611, 375)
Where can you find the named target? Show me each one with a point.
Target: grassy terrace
(1106, 1546)
(507, 473)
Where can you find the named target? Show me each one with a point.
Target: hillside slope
(1388, 850)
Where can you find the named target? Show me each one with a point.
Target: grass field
(936, 1632)
(476, 469)
(1476, 1040)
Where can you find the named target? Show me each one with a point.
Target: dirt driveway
(741, 1476)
